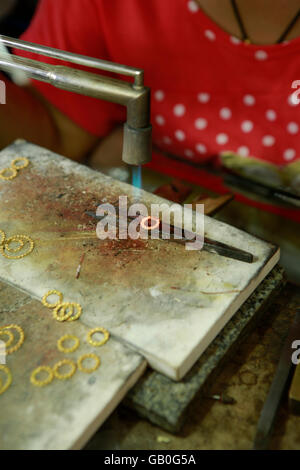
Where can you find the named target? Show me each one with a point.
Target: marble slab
(161, 300)
(64, 414)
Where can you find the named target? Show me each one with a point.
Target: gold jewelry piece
(146, 223)
(10, 337)
(63, 307)
(3, 236)
(6, 170)
(91, 369)
(61, 364)
(8, 382)
(22, 239)
(20, 159)
(46, 381)
(66, 338)
(21, 339)
(52, 292)
(98, 330)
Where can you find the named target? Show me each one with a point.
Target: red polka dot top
(210, 92)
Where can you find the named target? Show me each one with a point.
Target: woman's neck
(264, 20)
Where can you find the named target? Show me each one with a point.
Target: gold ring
(46, 381)
(21, 339)
(78, 314)
(66, 338)
(10, 337)
(63, 307)
(61, 364)
(145, 223)
(22, 239)
(98, 330)
(88, 356)
(51, 292)
(20, 159)
(3, 236)
(8, 178)
(8, 382)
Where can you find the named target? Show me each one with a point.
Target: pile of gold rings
(62, 311)
(56, 372)
(11, 172)
(8, 338)
(10, 252)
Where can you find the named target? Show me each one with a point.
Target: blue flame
(137, 176)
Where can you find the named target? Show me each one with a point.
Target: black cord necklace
(245, 36)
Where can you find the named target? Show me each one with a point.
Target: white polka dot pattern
(249, 100)
(222, 139)
(159, 95)
(243, 151)
(291, 100)
(180, 135)
(204, 97)
(247, 126)
(209, 34)
(292, 128)
(225, 113)
(261, 55)
(271, 115)
(268, 141)
(201, 148)
(160, 120)
(289, 154)
(192, 6)
(189, 153)
(235, 40)
(251, 123)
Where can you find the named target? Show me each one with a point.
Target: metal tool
(283, 372)
(210, 245)
(137, 146)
